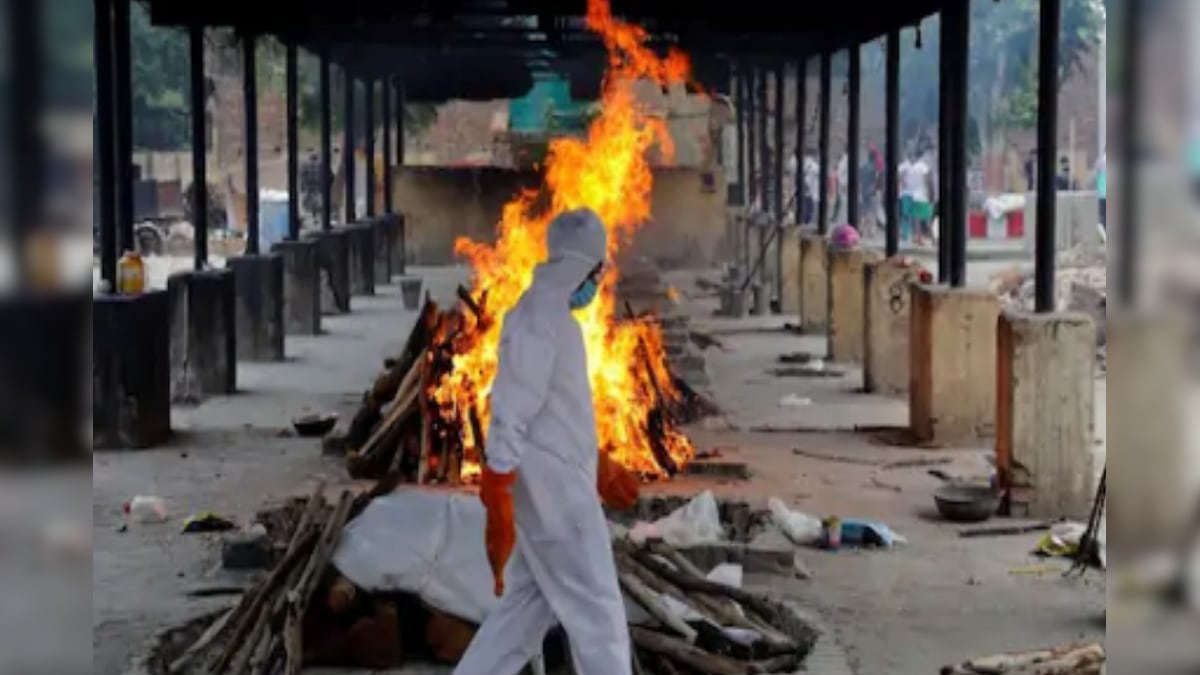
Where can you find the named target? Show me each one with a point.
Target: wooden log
(654, 605)
(204, 641)
(423, 405)
(749, 601)
(1087, 659)
(265, 591)
(301, 593)
(465, 296)
(687, 655)
(405, 398)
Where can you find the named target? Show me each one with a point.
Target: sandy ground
(905, 611)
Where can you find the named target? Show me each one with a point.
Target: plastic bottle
(131, 274)
(143, 509)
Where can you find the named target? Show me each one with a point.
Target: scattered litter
(144, 509)
(794, 401)
(207, 521)
(1035, 570)
(869, 533)
(797, 357)
(697, 522)
(815, 370)
(919, 463)
(714, 453)
(799, 527)
(1062, 541)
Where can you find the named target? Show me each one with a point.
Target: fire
(607, 171)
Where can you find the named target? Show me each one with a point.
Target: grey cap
(577, 234)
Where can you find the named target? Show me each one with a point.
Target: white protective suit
(543, 427)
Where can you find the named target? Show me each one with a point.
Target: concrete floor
(905, 611)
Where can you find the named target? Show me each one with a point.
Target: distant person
(1063, 180)
(812, 186)
(907, 215)
(1031, 170)
(1102, 189)
(918, 184)
(311, 189)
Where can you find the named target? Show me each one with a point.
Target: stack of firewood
(399, 429)
(290, 619)
(1084, 659)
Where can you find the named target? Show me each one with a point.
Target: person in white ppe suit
(543, 472)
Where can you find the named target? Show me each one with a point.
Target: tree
(160, 83)
(1002, 70)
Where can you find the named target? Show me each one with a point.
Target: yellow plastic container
(131, 274)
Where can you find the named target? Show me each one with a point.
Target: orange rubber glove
(495, 491)
(618, 486)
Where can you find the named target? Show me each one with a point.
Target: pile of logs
(290, 619)
(399, 429)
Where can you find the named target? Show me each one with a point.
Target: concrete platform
(203, 334)
(362, 258)
(43, 377)
(953, 362)
(259, 292)
(1045, 369)
(301, 286)
(334, 250)
(131, 357)
(814, 283)
(887, 318)
(846, 304)
(385, 236)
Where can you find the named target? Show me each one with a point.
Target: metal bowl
(315, 425)
(966, 502)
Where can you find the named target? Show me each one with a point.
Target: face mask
(584, 295)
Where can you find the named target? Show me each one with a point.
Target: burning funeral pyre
(427, 415)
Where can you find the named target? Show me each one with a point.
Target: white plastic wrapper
(698, 522)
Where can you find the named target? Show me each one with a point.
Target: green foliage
(160, 83)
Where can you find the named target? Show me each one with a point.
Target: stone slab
(1045, 418)
(814, 283)
(846, 331)
(301, 286)
(952, 396)
(43, 376)
(203, 334)
(887, 317)
(259, 289)
(362, 258)
(131, 374)
(334, 250)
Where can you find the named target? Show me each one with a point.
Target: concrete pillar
(258, 286)
(814, 283)
(846, 300)
(1152, 448)
(362, 258)
(301, 286)
(131, 371)
(887, 315)
(203, 335)
(400, 246)
(1045, 421)
(385, 235)
(333, 247)
(789, 301)
(953, 360)
(43, 375)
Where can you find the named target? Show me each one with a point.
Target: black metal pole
(326, 142)
(105, 142)
(764, 144)
(123, 80)
(853, 129)
(26, 182)
(293, 141)
(945, 121)
(1047, 133)
(386, 114)
(199, 146)
(891, 195)
(399, 123)
(751, 139)
(348, 128)
(369, 144)
(742, 103)
(958, 132)
(1128, 241)
(823, 151)
(801, 106)
(250, 98)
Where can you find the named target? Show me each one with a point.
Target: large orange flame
(607, 171)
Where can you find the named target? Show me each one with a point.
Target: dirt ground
(909, 610)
